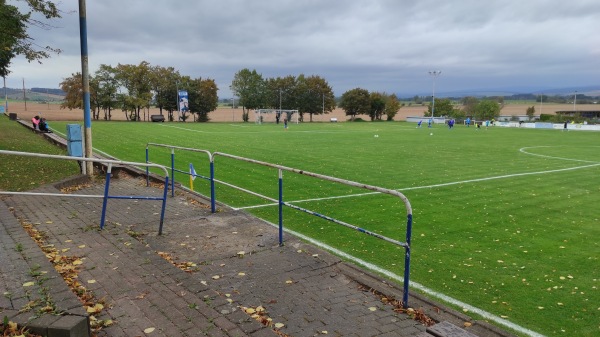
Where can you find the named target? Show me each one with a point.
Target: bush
(203, 117)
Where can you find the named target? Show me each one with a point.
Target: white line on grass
(415, 285)
(294, 131)
(180, 128)
(433, 186)
(524, 150)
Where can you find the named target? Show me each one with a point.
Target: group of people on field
(40, 124)
(451, 123)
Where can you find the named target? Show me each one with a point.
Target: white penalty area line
(430, 186)
(415, 285)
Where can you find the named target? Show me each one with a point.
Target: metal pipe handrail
(173, 170)
(106, 196)
(94, 160)
(321, 176)
(281, 203)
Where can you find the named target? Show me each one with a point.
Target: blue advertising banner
(183, 101)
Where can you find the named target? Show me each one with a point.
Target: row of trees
(375, 104)
(485, 109)
(310, 95)
(134, 88)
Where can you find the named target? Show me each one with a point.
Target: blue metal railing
(173, 169)
(281, 203)
(105, 196)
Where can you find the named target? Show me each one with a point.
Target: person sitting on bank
(43, 126)
(36, 122)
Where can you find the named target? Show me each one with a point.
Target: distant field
(52, 112)
(506, 220)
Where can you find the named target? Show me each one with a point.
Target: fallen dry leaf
(148, 330)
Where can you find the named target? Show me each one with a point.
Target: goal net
(276, 115)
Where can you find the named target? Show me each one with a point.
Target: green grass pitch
(506, 220)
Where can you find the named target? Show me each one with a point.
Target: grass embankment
(19, 173)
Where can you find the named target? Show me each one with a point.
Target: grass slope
(18, 173)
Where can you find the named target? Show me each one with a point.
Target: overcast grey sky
(378, 45)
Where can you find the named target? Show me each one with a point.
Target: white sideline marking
(436, 185)
(245, 126)
(419, 286)
(415, 285)
(180, 128)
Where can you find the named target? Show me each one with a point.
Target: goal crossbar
(293, 113)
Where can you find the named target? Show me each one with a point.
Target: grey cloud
(386, 45)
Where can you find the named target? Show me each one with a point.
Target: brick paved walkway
(307, 290)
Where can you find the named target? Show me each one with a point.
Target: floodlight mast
(177, 100)
(434, 74)
(575, 102)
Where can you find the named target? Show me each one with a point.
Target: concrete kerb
(436, 311)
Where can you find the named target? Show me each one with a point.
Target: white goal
(271, 115)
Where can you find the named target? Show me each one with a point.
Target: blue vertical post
(86, 87)
(105, 200)
(172, 172)
(147, 167)
(164, 204)
(280, 207)
(407, 261)
(213, 200)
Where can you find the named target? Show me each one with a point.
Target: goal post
(291, 115)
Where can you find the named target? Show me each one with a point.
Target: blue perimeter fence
(281, 203)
